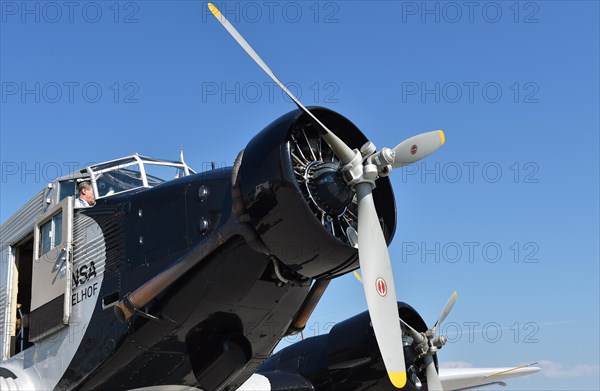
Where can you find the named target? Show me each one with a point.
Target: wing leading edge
(467, 378)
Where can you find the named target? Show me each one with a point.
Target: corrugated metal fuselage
(215, 325)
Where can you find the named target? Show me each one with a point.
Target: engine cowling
(348, 358)
(297, 199)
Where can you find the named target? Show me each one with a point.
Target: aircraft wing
(467, 378)
(455, 379)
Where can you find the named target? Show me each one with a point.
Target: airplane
(178, 280)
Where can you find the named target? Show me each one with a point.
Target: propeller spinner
(361, 169)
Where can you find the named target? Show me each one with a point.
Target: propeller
(361, 169)
(428, 343)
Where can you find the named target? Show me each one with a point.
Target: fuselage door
(52, 264)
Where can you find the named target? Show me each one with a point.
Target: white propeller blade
(433, 379)
(447, 308)
(416, 336)
(417, 147)
(342, 151)
(378, 283)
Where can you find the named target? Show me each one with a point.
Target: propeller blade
(416, 336)
(343, 152)
(417, 147)
(447, 308)
(433, 378)
(378, 283)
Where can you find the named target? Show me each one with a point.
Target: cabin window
(51, 234)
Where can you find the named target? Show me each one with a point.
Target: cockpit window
(158, 173)
(133, 172)
(118, 180)
(115, 163)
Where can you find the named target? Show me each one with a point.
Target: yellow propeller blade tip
(442, 136)
(398, 379)
(357, 276)
(455, 294)
(215, 11)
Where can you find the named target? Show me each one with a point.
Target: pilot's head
(86, 192)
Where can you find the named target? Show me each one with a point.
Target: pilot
(86, 195)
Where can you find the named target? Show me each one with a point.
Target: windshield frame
(96, 171)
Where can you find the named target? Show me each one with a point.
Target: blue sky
(507, 212)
